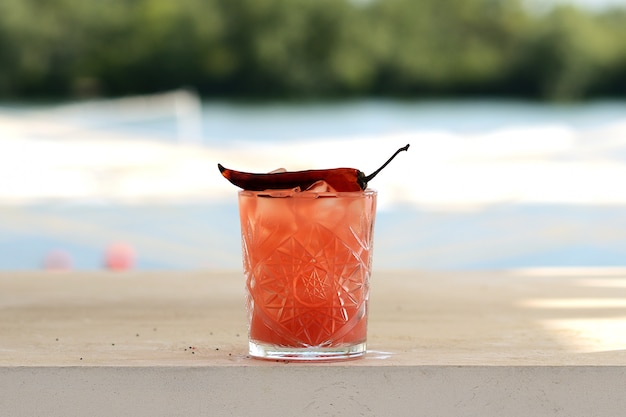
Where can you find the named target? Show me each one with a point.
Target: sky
(591, 4)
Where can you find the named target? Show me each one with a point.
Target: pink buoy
(57, 260)
(119, 257)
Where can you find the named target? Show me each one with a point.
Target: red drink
(307, 261)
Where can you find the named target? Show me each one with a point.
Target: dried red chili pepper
(341, 179)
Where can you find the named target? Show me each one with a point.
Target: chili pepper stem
(373, 174)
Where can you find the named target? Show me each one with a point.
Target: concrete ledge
(313, 391)
(534, 342)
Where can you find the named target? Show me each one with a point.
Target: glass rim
(307, 194)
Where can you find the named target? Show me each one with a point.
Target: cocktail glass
(307, 260)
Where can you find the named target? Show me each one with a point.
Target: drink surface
(307, 261)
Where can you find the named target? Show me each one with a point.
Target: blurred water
(484, 185)
(225, 123)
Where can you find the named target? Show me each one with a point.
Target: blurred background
(113, 116)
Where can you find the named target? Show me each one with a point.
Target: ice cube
(282, 193)
(320, 186)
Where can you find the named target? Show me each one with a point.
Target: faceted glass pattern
(307, 262)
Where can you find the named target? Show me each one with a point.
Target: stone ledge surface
(528, 342)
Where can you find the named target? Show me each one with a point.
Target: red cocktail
(307, 260)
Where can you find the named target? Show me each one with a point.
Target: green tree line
(310, 48)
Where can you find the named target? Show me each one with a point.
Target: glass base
(320, 354)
